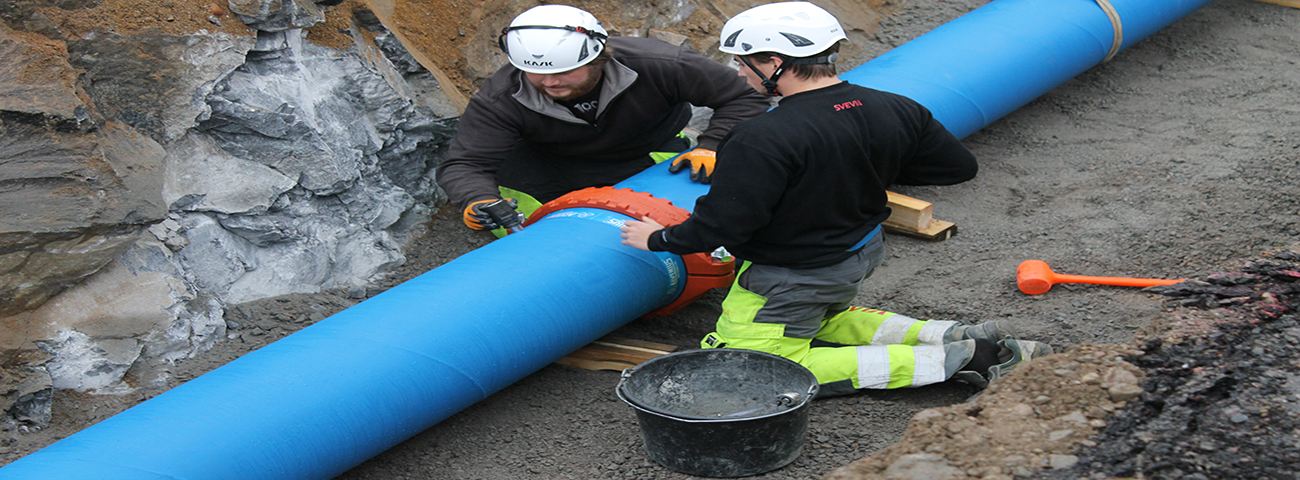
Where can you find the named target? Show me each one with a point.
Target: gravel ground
(1177, 159)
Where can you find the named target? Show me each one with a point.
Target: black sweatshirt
(799, 186)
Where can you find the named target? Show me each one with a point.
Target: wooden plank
(938, 231)
(909, 213)
(615, 353)
(660, 348)
(594, 364)
(915, 218)
(1284, 3)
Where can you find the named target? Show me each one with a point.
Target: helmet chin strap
(768, 83)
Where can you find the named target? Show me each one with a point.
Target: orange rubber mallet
(1034, 277)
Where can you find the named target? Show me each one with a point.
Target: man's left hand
(636, 233)
(701, 161)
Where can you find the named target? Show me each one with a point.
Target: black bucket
(720, 412)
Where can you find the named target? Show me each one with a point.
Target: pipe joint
(703, 272)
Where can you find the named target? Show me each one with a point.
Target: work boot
(956, 355)
(986, 355)
(990, 330)
(1012, 352)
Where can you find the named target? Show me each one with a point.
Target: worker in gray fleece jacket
(576, 109)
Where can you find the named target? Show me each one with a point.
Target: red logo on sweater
(848, 105)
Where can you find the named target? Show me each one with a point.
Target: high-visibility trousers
(783, 311)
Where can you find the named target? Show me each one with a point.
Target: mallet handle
(1120, 281)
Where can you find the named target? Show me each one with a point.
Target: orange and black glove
(700, 160)
(478, 219)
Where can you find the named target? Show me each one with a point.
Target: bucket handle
(788, 399)
(622, 378)
(782, 400)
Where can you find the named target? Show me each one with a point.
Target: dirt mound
(140, 17)
(1210, 394)
(1222, 405)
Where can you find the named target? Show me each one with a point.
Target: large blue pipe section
(978, 68)
(323, 400)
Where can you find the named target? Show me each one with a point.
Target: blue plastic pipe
(979, 67)
(330, 396)
(325, 399)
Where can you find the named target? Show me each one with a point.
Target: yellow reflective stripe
(912, 333)
(895, 329)
(865, 326)
(898, 329)
(902, 365)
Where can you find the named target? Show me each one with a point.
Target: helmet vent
(798, 41)
(731, 40)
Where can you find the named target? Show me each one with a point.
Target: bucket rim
(804, 401)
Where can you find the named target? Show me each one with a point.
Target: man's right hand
(478, 219)
(636, 233)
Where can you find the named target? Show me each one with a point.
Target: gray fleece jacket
(645, 100)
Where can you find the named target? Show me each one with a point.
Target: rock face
(322, 164)
(151, 178)
(76, 191)
(160, 161)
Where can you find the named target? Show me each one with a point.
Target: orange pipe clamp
(703, 273)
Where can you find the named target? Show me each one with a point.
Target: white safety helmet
(552, 39)
(793, 29)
